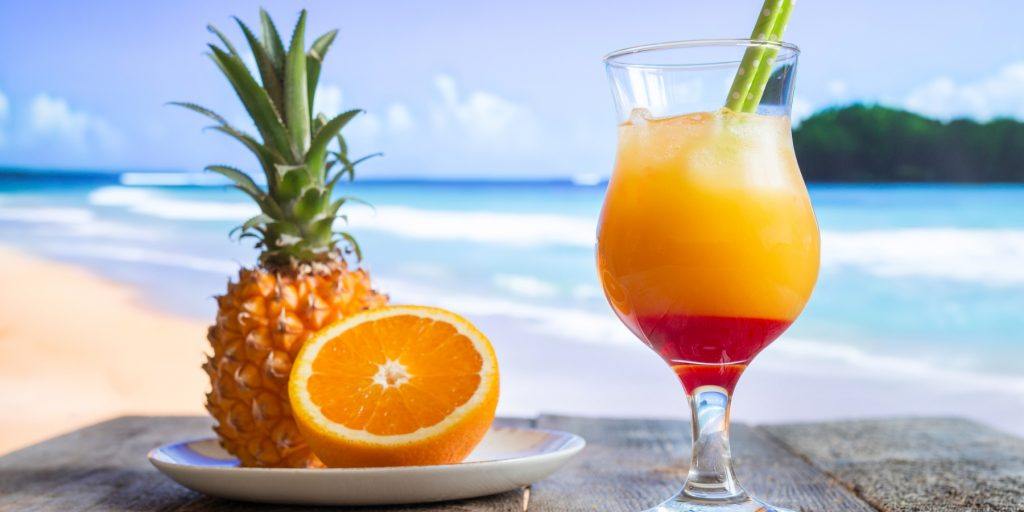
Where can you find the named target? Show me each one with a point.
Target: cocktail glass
(707, 245)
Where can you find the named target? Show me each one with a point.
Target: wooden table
(927, 465)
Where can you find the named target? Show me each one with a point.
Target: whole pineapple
(302, 281)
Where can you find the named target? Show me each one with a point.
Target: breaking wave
(976, 255)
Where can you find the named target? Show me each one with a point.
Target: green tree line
(871, 143)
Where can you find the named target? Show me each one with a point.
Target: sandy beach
(76, 349)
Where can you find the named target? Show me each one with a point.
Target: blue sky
(461, 88)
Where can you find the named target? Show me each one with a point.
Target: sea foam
(78, 222)
(526, 286)
(511, 229)
(984, 256)
(161, 205)
(515, 229)
(136, 254)
(989, 257)
(51, 215)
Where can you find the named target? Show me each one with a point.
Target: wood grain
(916, 465)
(104, 468)
(908, 465)
(632, 465)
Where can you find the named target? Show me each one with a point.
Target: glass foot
(684, 503)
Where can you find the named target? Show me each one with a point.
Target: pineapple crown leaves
(297, 218)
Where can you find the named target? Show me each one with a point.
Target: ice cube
(640, 116)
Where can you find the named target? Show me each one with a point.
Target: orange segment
(403, 385)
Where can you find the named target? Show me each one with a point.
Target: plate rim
(574, 444)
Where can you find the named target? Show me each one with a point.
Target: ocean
(917, 310)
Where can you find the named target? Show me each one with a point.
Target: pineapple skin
(263, 320)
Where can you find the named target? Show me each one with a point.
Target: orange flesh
(395, 375)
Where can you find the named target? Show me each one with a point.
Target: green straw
(756, 66)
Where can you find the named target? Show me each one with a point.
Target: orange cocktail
(707, 246)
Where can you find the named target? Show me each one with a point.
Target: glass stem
(711, 477)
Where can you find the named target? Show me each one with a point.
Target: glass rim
(613, 59)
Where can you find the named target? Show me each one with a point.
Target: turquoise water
(930, 277)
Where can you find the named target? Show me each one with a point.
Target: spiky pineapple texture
(303, 281)
(298, 207)
(262, 321)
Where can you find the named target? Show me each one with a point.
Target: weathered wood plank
(628, 465)
(895, 465)
(104, 468)
(632, 465)
(916, 465)
(100, 467)
(769, 472)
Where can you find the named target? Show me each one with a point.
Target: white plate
(507, 458)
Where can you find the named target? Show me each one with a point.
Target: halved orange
(395, 386)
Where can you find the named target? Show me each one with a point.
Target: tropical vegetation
(873, 143)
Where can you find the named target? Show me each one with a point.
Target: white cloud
(837, 88)
(4, 107)
(327, 100)
(4, 112)
(400, 118)
(801, 110)
(1001, 94)
(482, 116)
(446, 86)
(456, 128)
(479, 116)
(50, 116)
(365, 127)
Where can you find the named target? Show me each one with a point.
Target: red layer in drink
(695, 375)
(708, 350)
